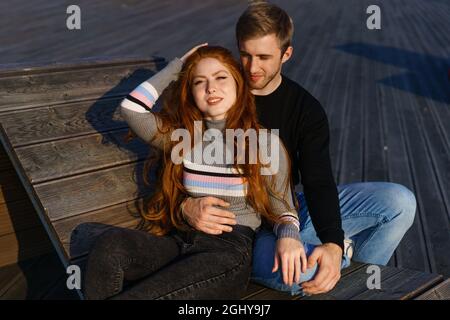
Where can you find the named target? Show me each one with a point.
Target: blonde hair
(261, 19)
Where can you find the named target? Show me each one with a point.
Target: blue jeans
(375, 216)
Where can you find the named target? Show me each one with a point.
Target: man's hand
(201, 214)
(328, 257)
(187, 54)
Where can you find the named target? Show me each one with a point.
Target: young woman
(170, 260)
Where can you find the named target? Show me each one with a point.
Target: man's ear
(287, 54)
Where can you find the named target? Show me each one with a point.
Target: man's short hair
(261, 19)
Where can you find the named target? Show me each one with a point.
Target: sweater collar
(215, 124)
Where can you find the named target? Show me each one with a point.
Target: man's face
(262, 60)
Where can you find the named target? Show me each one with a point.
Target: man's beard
(266, 80)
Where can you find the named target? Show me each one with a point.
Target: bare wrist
(334, 246)
(182, 206)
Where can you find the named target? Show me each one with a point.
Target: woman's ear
(287, 54)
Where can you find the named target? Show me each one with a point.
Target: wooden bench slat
(439, 292)
(62, 84)
(63, 121)
(253, 289)
(69, 157)
(402, 285)
(92, 191)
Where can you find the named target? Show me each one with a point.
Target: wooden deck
(386, 94)
(42, 278)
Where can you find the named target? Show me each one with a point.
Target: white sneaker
(348, 248)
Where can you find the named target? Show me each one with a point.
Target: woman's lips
(213, 101)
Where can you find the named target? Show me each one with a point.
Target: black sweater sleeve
(316, 173)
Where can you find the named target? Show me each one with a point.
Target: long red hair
(162, 211)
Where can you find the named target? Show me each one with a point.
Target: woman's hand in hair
(292, 256)
(187, 54)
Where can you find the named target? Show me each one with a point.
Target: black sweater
(303, 126)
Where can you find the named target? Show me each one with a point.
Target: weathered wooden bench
(61, 128)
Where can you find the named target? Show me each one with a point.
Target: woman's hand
(293, 259)
(187, 54)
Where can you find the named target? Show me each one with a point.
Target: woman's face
(213, 88)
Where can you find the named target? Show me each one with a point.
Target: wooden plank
(36, 279)
(65, 121)
(166, 33)
(403, 285)
(12, 274)
(424, 175)
(12, 189)
(253, 289)
(92, 191)
(38, 87)
(412, 251)
(17, 216)
(31, 193)
(7, 276)
(23, 245)
(68, 157)
(88, 64)
(437, 145)
(439, 292)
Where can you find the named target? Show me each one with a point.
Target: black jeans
(132, 264)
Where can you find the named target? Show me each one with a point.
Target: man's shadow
(104, 117)
(425, 75)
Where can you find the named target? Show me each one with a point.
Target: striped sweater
(205, 177)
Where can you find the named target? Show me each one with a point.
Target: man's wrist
(182, 206)
(335, 246)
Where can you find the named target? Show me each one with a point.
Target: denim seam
(368, 238)
(118, 278)
(371, 214)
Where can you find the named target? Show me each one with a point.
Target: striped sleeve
(287, 225)
(136, 108)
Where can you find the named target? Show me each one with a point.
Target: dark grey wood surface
(71, 156)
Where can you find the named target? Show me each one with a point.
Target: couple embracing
(217, 221)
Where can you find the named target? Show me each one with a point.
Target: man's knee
(403, 203)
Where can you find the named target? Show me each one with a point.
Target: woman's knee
(110, 239)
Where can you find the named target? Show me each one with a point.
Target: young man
(375, 216)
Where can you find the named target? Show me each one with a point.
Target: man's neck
(269, 88)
